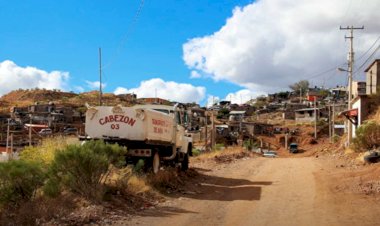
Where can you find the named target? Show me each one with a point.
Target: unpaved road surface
(261, 191)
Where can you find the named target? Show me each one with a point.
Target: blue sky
(241, 52)
(65, 36)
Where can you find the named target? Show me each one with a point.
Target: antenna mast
(100, 76)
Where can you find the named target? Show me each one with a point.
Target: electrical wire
(127, 34)
(366, 61)
(369, 48)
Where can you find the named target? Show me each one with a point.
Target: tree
(260, 102)
(300, 86)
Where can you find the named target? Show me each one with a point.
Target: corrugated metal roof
(237, 112)
(308, 109)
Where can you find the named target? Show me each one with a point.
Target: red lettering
(119, 118)
(131, 122)
(115, 126)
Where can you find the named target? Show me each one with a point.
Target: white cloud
(13, 77)
(79, 89)
(195, 74)
(181, 92)
(242, 96)
(120, 90)
(211, 100)
(274, 43)
(95, 84)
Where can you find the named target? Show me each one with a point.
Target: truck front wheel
(156, 163)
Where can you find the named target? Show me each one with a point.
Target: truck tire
(185, 162)
(156, 163)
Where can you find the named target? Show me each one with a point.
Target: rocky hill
(28, 97)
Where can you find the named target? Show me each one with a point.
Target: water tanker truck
(155, 133)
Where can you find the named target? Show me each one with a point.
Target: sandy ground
(262, 191)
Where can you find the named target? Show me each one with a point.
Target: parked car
(70, 131)
(277, 130)
(373, 157)
(46, 131)
(270, 154)
(295, 132)
(293, 148)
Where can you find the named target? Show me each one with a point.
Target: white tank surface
(138, 123)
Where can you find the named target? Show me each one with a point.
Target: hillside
(28, 97)
(376, 116)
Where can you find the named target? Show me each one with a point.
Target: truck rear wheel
(185, 162)
(156, 163)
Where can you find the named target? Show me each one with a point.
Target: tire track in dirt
(261, 191)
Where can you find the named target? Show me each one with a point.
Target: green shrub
(83, 169)
(196, 152)
(218, 147)
(367, 136)
(336, 138)
(19, 181)
(139, 166)
(247, 144)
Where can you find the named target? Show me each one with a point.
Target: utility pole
(333, 120)
(350, 70)
(30, 131)
(206, 137)
(7, 142)
(330, 132)
(315, 117)
(212, 130)
(155, 95)
(100, 77)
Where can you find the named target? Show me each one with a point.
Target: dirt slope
(258, 191)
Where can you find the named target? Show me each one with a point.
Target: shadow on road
(164, 211)
(209, 187)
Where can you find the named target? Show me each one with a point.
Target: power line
(127, 34)
(370, 57)
(312, 76)
(369, 49)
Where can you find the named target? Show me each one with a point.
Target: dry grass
(45, 152)
(138, 185)
(230, 150)
(376, 116)
(128, 182)
(37, 211)
(165, 180)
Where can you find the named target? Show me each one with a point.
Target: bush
(336, 138)
(367, 136)
(83, 169)
(44, 153)
(218, 147)
(248, 144)
(19, 181)
(196, 152)
(164, 180)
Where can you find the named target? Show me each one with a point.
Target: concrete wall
(373, 78)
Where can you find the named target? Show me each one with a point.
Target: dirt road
(261, 191)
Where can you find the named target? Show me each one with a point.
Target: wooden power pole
(350, 71)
